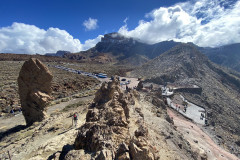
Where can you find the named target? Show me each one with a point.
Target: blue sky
(40, 26)
(69, 15)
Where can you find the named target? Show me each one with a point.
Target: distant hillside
(91, 55)
(58, 53)
(183, 57)
(24, 57)
(228, 56)
(134, 60)
(184, 64)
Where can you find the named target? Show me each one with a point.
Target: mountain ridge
(227, 55)
(117, 48)
(185, 65)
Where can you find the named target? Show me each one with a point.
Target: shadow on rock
(11, 131)
(65, 150)
(61, 154)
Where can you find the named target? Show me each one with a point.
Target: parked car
(101, 76)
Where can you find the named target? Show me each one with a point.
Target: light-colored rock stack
(34, 84)
(106, 131)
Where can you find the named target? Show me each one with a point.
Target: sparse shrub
(72, 106)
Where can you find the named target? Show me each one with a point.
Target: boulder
(77, 154)
(34, 88)
(105, 155)
(124, 156)
(140, 152)
(123, 152)
(139, 147)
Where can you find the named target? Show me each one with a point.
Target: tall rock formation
(106, 131)
(34, 84)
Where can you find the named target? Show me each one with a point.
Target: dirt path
(199, 140)
(18, 119)
(42, 140)
(7, 123)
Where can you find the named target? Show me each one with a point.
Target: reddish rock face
(34, 87)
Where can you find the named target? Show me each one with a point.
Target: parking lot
(124, 81)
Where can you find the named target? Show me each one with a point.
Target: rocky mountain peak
(115, 37)
(115, 43)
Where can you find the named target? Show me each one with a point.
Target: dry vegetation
(9, 71)
(64, 84)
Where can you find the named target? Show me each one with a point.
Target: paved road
(193, 133)
(193, 111)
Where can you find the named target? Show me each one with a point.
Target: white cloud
(90, 24)
(91, 42)
(204, 22)
(29, 39)
(125, 20)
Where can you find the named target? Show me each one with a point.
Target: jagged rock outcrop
(106, 120)
(106, 131)
(34, 84)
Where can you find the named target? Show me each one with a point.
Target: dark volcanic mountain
(228, 55)
(114, 47)
(118, 44)
(58, 53)
(185, 65)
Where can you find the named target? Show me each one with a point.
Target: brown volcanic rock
(34, 84)
(139, 147)
(106, 121)
(106, 131)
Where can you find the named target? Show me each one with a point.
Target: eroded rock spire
(34, 87)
